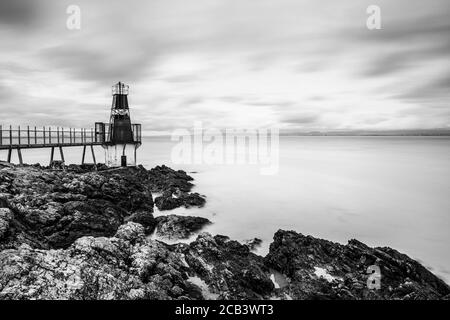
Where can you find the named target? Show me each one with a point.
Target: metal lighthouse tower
(121, 137)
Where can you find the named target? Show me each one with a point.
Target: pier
(17, 138)
(119, 137)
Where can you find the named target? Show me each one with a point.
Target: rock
(253, 244)
(144, 218)
(173, 227)
(126, 266)
(92, 217)
(3, 200)
(54, 208)
(192, 200)
(320, 269)
(227, 268)
(4, 164)
(57, 165)
(5, 217)
(130, 266)
(131, 232)
(169, 201)
(164, 178)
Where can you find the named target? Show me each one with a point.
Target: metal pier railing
(47, 137)
(19, 138)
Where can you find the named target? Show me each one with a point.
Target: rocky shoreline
(84, 234)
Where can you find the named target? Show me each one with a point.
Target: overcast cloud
(299, 65)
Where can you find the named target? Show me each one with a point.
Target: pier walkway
(47, 137)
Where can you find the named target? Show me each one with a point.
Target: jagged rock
(57, 165)
(5, 217)
(3, 200)
(164, 178)
(126, 266)
(253, 244)
(174, 187)
(320, 269)
(227, 268)
(91, 217)
(169, 201)
(192, 200)
(174, 227)
(144, 218)
(54, 208)
(4, 164)
(92, 268)
(87, 167)
(130, 266)
(131, 232)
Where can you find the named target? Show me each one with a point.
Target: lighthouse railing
(103, 132)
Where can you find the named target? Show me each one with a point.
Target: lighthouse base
(120, 155)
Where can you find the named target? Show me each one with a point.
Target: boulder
(253, 244)
(169, 201)
(54, 208)
(173, 227)
(163, 178)
(321, 269)
(227, 268)
(144, 218)
(5, 217)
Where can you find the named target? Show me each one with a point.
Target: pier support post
(9, 154)
(19, 153)
(62, 154)
(52, 153)
(93, 154)
(93, 157)
(84, 154)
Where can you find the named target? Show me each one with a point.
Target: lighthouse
(120, 137)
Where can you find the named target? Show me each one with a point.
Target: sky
(296, 65)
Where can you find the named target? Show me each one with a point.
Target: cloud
(96, 65)
(301, 119)
(19, 13)
(436, 90)
(5, 93)
(291, 63)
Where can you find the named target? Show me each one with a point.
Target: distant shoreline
(438, 132)
(337, 135)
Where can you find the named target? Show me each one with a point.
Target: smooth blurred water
(384, 191)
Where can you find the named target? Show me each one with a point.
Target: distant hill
(413, 132)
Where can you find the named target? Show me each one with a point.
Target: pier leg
(52, 153)
(135, 158)
(84, 154)
(19, 153)
(9, 155)
(93, 154)
(93, 157)
(62, 154)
